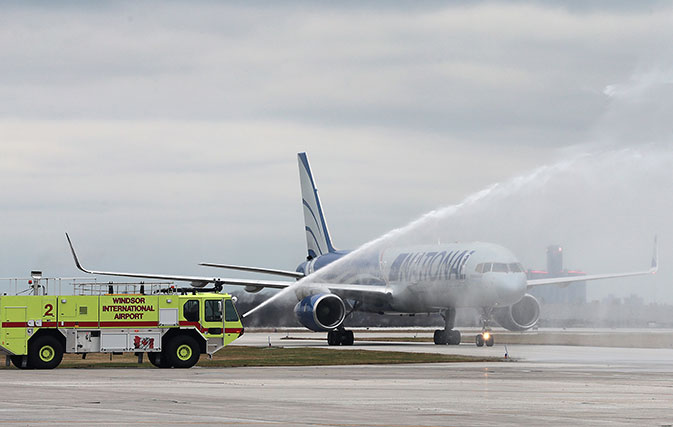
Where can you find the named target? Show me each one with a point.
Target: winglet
(655, 257)
(74, 255)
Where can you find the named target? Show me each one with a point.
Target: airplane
(436, 278)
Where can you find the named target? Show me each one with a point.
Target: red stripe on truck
(25, 325)
(14, 324)
(197, 325)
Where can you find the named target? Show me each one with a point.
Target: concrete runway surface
(545, 385)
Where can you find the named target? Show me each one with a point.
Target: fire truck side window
(230, 314)
(213, 308)
(191, 310)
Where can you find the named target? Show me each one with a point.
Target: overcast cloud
(162, 134)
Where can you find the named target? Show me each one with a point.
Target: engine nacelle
(520, 316)
(321, 313)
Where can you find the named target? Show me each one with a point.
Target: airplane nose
(511, 288)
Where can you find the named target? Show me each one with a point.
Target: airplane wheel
(332, 338)
(490, 341)
(441, 337)
(454, 337)
(349, 338)
(479, 339)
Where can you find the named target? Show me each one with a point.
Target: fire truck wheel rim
(47, 353)
(184, 352)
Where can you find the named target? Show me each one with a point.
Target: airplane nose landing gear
(485, 337)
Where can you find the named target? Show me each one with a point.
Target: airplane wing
(345, 290)
(567, 280)
(273, 271)
(196, 281)
(358, 292)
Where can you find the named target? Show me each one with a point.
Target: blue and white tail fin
(318, 240)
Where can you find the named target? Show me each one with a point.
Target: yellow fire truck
(173, 327)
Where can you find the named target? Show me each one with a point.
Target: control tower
(574, 293)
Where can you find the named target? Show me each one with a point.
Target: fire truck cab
(172, 327)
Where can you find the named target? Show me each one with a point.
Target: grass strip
(240, 356)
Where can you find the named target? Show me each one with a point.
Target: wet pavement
(550, 385)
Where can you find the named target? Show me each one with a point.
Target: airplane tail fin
(318, 240)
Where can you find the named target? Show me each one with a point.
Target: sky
(163, 134)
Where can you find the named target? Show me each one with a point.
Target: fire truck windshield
(230, 314)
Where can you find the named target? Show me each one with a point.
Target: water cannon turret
(36, 276)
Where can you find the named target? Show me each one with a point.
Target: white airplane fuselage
(429, 278)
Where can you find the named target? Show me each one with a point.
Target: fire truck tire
(183, 351)
(44, 352)
(159, 359)
(18, 362)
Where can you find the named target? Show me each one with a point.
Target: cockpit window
(499, 267)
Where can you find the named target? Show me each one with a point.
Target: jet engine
(520, 316)
(321, 312)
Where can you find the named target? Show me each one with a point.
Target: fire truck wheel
(183, 351)
(159, 359)
(18, 362)
(45, 352)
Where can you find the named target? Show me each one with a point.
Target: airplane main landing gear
(444, 337)
(447, 335)
(340, 337)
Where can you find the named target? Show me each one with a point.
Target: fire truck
(173, 327)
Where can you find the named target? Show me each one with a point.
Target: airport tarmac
(660, 359)
(550, 385)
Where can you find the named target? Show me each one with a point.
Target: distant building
(575, 293)
(634, 300)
